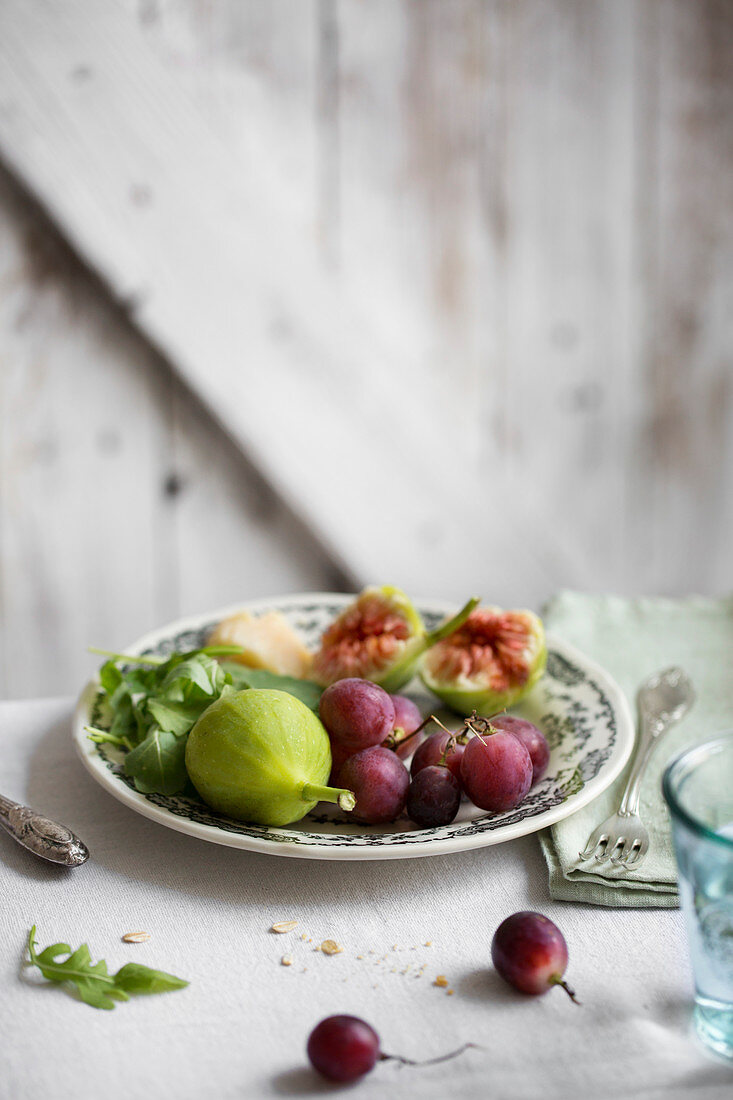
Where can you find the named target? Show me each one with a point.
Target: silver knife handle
(45, 838)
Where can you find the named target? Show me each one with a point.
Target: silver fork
(663, 699)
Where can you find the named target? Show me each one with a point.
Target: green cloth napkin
(631, 639)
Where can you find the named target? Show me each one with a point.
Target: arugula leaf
(242, 677)
(177, 718)
(195, 672)
(134, 978)
(94, 985)
(110, 677)
(158, 764)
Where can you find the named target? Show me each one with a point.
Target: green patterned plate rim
(578, 706)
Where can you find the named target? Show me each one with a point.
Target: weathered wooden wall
(121, 504)
(532, 199)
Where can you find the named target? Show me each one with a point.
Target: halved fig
(489, 663)
(379, 637)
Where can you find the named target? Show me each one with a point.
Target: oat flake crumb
(330, 947)
(441, 980)
(286, 960)
(283, 926)
(136, 937)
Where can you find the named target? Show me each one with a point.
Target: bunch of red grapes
(494, 762)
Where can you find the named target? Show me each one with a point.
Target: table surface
(239, 1029)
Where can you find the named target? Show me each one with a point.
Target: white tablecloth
(239, 1030)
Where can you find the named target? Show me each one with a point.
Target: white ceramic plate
(577, 705)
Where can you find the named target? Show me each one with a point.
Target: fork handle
(652, 728)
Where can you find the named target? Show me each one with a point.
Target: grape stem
(391, 741)
(429, 1061)
(557, 979)
(455, 738)
(317, 792)
(449, 746)
(488, 729)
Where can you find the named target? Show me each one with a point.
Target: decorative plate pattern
(580, 709)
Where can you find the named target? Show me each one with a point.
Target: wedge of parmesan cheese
(268, 641)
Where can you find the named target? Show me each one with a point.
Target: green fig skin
(257, 755)
(466, 700)
(486, 702)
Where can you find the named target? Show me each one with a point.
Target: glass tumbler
(698, 787)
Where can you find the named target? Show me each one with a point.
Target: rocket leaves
(158, 764)
(153, 709)
(94, 985)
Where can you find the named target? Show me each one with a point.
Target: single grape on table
(343, 1048)
(530, 953)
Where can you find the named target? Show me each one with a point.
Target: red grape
(431, 752)
(379, 782)
(533, 740)
(433, 797)
(343, 1048)
(530, 953)
(496, 771)
(339, 757)
(356, 713)
(407, 719)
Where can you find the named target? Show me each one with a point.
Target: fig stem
(429, 1061)
(452, 625)
(557, 979)
(318, 792)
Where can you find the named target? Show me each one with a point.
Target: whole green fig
(261, 755)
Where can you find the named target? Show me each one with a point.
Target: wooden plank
(491, 151)
(682, 503)
(78, 491)
(122, 505)
(218, 267)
